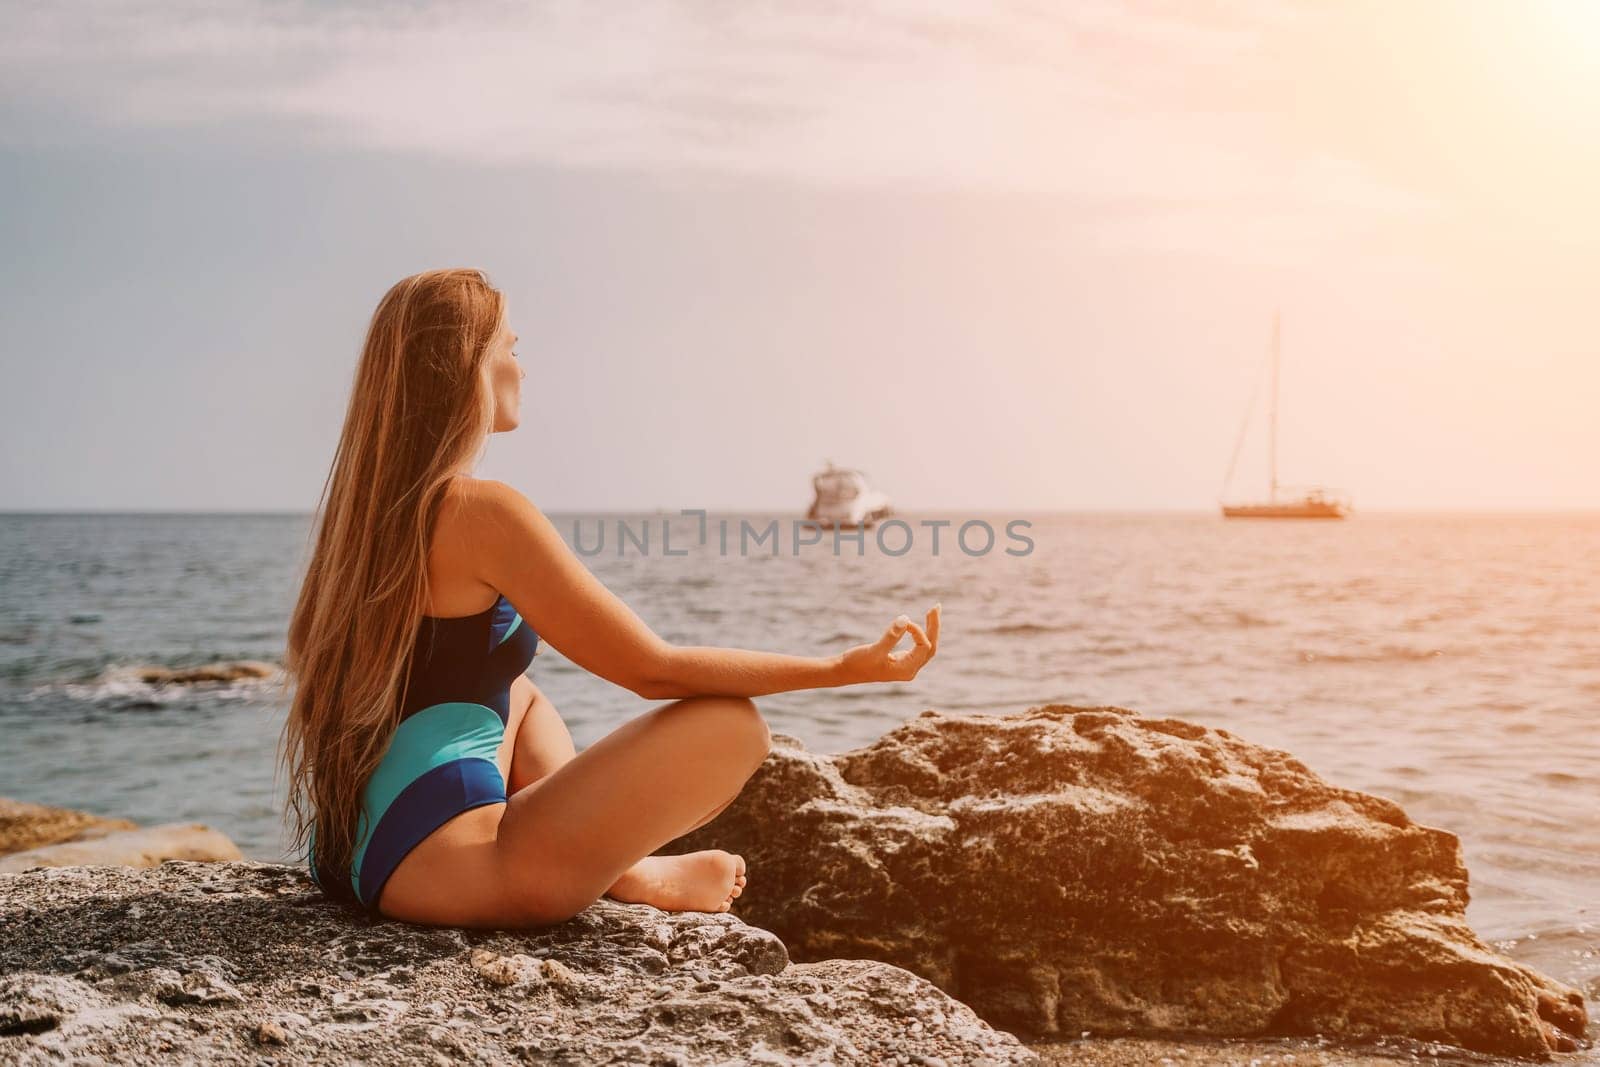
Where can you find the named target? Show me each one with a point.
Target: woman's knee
(761, 733)
(734, 721)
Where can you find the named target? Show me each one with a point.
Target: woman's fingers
(919, 636)
(892, 635)
(925, 642)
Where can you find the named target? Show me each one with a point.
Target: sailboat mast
(1273, 447)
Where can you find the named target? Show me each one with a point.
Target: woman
(429, 780)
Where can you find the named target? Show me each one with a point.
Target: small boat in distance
(845, 499)
(1315, 504)
(1281, 502)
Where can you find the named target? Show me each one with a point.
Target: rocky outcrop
(1087, 869)
(241, 962)
(24, 826)
(33, 835)
(139, 847)
(229, 671)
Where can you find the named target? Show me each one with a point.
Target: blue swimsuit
(442, 758)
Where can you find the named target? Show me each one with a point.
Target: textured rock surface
(247, 962)
(139, 847)
(1262, 1052)
(1088, 869)
(24, 826)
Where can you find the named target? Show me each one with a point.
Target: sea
(1450, 662)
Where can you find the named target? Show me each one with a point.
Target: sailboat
(1281, 502)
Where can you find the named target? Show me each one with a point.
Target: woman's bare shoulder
(476, 516)
(486, 498)
(462, 536)
(475, 498)
(493, 540)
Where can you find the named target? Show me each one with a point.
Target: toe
(739, 867)
(736, 891)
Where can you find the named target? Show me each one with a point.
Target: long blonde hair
(421, 411)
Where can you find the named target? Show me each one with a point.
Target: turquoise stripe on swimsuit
(431, 738)
(442, 758)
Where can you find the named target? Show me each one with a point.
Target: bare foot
(696, 881)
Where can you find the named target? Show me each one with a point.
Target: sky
(998, 255)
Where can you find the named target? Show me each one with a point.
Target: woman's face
(505, 381)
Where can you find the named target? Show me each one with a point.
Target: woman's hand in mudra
(879, 662)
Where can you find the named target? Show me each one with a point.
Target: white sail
(1312, 503)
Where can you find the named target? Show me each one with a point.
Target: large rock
(1073, 869)
(25, 826)
(236, 962)
(139, 847)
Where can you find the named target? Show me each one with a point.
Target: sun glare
(1576, 25)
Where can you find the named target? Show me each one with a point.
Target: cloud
(1097, 102)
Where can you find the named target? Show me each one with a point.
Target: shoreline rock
(36, 835)
(144, 846)
(230, 962)
(229, 671)
(1088, 869)
(24, 826)
(1141, 884)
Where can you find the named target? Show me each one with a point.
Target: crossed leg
(538, 741)
(587, 828)
(538, 747)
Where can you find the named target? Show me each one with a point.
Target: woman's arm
(519, 552)
(698, 670)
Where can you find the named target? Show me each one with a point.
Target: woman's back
(441, 760)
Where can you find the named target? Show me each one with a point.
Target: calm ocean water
(1451, 663)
